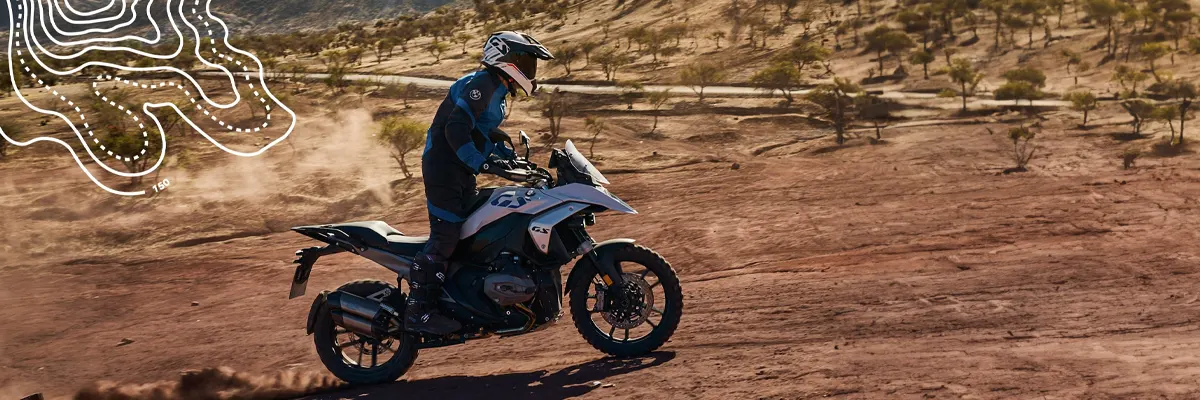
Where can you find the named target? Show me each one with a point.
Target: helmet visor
(527, 63)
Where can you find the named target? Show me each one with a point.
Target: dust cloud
(311, 163)
(213, 384)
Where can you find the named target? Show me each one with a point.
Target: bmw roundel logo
(475, 95)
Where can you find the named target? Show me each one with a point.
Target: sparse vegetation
(836, 101)
(1082, 101)
(700, 75)
(964, 74)
(782, 76)
(657, 99)
(554, 106)
(596, 126)
(401, 136)
(1023, 149)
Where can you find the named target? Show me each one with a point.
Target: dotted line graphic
(199, 106)
(232, 61)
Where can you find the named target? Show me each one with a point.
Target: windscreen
(582, 164)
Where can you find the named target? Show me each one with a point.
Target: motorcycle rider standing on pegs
(457, 148)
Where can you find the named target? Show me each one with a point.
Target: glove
(496, 165)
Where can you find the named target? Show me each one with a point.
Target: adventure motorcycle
(504, 277)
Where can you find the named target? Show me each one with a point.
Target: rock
(124, 341)
(595, 383)
(608, 385)
(195, 303)
(35, 396)
(735, 166)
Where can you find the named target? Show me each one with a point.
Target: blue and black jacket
(476, 105)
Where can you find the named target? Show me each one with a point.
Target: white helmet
(515, 55)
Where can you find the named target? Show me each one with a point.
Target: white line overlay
(25, 58)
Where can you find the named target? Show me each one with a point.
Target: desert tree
(1182, 91)
(1151, 52)
(701, 74)
(122, 138)
(716, 37)
(1024, 83)
(586, 48)
(949, 53)
(924, 58)
(1030, 13)
(396, 90)
(963, 73)
(1023, 148)
(437, 49)
(401, 136)
(873, 109)
(596, 126)
(1129, 78)
(463, 39)
(1105, 12)
(1166, 114)
(554, 106)
(354, 54)
(1178, 24)
(998, 10)
(565, 56)
(1140, 110)
(383, 49)
(252, 102)
(780, 75)
(836, 101)
(884, 39)
(611, 60)
(631, 91)
(804, 53)
(916, 21)
(657, 99)
(1083, 101)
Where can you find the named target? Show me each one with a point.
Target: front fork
(606, 268)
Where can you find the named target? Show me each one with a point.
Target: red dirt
(910, 268)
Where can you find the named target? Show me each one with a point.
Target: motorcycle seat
(380, 235)
(406, 245)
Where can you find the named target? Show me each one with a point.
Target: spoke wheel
(635, 318)
(359, 359)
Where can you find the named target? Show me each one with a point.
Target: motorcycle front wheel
(357, 359)
(641, 316)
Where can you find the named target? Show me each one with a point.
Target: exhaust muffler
(358, 314)
(355, 324)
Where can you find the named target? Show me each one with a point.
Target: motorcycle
(504, 278)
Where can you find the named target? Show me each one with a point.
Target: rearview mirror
(525, 142)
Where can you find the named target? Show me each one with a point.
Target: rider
(457, 147)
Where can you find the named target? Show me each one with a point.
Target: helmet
(515, 55)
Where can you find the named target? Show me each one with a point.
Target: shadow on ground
(575, 380)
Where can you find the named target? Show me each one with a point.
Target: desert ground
(904, 267)
(912, 265)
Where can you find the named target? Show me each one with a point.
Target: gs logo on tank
(509, 200)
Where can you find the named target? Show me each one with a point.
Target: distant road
(904, 97)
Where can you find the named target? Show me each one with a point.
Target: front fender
(585, 268)
(318, 306)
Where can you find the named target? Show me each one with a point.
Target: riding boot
(421, 312)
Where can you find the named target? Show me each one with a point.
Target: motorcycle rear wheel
(599, 320)
(332, 348)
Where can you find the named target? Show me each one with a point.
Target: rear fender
(318, 306)
(602, 254)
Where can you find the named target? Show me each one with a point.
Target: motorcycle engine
(510, 284)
